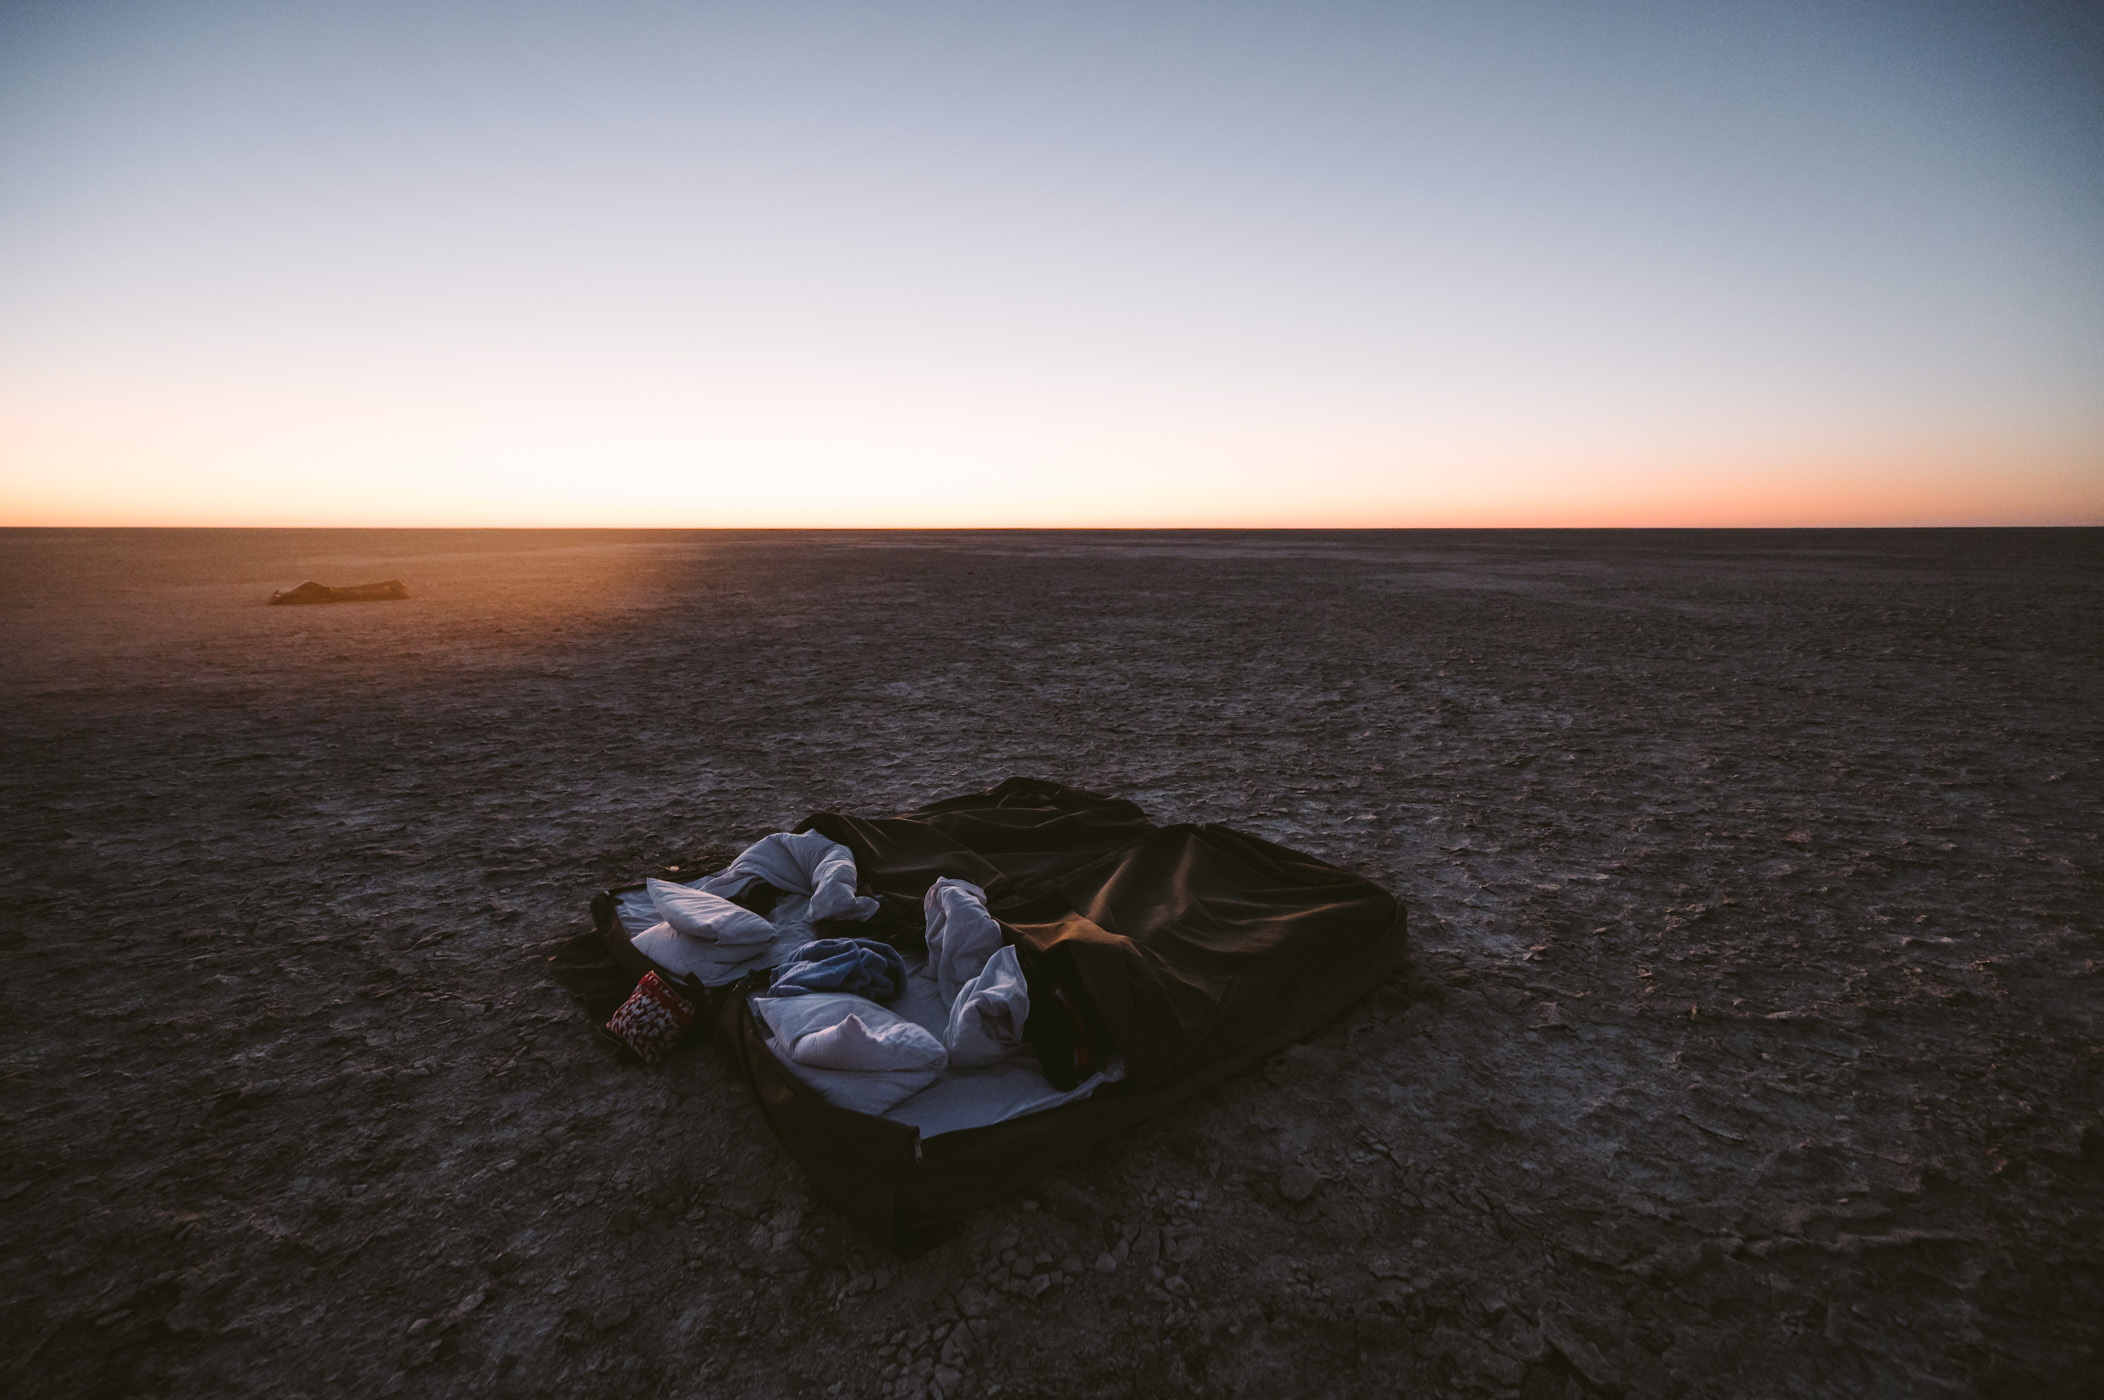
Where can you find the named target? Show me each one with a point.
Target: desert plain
(1749, 1045)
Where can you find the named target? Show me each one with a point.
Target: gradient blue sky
(1137, 263)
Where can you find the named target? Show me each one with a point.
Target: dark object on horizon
(312, 592)
(1193, 951)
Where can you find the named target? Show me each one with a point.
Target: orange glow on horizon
(627, 450)
(887, 491)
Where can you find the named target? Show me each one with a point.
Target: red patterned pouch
(651, 1021)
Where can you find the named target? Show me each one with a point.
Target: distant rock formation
(312, 592)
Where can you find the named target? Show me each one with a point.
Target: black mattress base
(1194, 952)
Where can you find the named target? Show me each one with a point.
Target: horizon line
(953, 529)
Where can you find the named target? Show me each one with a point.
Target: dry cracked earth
(1750, 1045)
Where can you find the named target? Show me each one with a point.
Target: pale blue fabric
(862, 966)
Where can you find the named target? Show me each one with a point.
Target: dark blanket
(1178, 942)
(1192, 951)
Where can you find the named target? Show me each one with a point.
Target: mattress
(1159, 960)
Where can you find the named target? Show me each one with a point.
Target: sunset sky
(1136, 263)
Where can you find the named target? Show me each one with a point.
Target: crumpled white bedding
(946, 1056)
(810, 864)
(695, 930)
(953, 1098)
(984, 1013)
(986, 1020)
(962, 935)
(853, 1051)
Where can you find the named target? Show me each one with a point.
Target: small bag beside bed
(1154, 961)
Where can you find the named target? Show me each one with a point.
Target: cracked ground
(1749, 1046)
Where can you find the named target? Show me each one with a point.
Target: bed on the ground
(1158, 960)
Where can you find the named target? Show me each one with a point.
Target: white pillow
(856, 1044)
(714, 963)
(889, 1057)
(707, 916)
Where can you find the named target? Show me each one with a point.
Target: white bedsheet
(974, 1098)
(962, 1097)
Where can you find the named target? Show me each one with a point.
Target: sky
(1145, 263)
